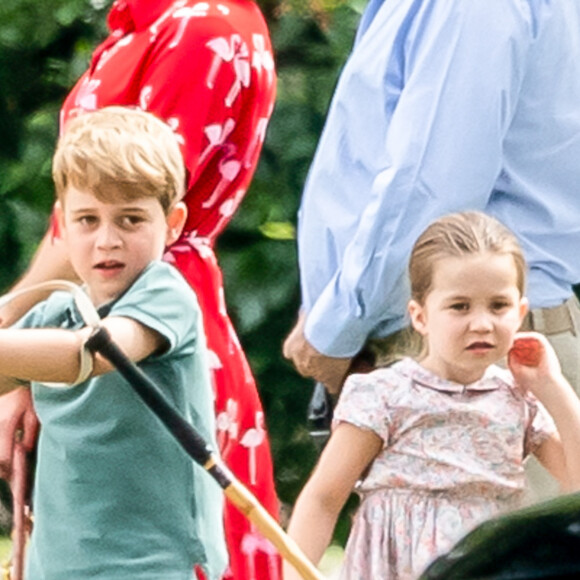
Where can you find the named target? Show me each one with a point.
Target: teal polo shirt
(115, 495)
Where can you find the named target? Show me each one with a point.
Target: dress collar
(493, 378)
(132, 15)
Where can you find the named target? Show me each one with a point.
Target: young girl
(437, 445)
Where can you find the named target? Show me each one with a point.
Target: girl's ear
(418, 317)
(175, 222)
(524, 307)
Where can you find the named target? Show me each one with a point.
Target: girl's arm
(53, 354)
(346, 456)
(559, 453)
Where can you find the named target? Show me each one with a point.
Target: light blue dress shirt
(443, 106)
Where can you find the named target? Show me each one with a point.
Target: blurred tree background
(45, 46)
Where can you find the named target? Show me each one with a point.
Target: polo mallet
(189, 439)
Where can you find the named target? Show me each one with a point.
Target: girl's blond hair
(456, 235)
(120, 153)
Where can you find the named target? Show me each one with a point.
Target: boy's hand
(534, 363)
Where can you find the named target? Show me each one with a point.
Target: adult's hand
(17, 419)
(309, 362)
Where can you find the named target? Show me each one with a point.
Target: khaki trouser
(560, 325)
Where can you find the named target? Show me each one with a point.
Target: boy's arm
(136, 340)
(348, 453)
(53, 354)
(16, 410)
(50, 262)
(8, 384)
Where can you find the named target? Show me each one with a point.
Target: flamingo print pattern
(254, 438)
(234, 51)
(252, 545)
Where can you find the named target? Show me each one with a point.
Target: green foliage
(45, 46)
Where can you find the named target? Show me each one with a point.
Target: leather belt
(553, 320)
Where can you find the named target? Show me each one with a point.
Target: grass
(331, 562)
(5, 547)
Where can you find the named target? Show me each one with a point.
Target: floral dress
(452, 457)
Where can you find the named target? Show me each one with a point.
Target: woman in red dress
(206, 67)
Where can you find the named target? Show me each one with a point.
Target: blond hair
(456, 235)
(120, 153)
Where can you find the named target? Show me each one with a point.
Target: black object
(319, 415)
(542, 541)
(322, 403)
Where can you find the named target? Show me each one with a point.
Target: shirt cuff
(335, 331)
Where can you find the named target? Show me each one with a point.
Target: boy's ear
(418, 318)
(58, 212)
(175, 222)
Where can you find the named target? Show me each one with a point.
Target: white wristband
(85, 370)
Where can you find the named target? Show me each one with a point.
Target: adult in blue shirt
(443, 106)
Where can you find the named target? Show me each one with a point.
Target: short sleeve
(161, 300)
(539, 427)
(362, 405)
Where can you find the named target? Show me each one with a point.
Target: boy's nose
(108, 236)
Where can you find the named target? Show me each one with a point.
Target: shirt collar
(75, 319)
(493, 379)
(130, 15)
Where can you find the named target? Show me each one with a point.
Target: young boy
(115, 495)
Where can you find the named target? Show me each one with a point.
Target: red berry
(527, 351)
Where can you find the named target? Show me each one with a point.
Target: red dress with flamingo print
(206, 68)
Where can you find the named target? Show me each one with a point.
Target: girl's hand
(526, 351)
(533, 363)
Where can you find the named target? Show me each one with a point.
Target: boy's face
(110, 244)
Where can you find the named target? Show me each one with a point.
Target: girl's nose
(481, 322)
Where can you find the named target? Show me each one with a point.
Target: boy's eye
(131, 220)
(500, 305)
(87, 220)
(459, 306)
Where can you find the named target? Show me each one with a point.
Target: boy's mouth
(109, 265)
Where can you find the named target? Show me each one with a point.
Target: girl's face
(470, 315)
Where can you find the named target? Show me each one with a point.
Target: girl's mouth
(480, 346)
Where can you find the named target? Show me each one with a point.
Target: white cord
(88, 312)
